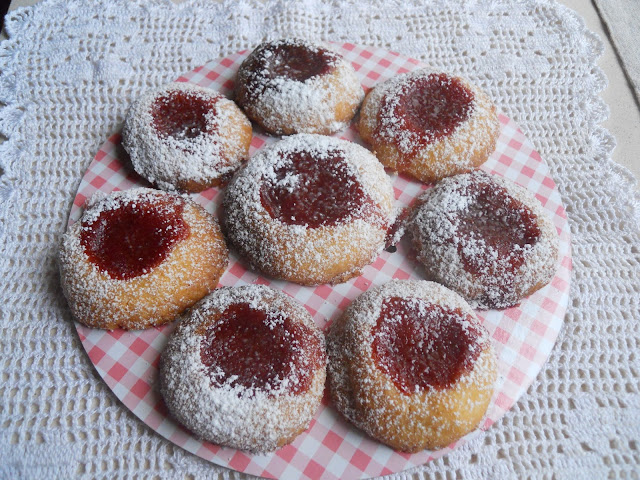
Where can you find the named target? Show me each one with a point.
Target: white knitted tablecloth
(70, 69)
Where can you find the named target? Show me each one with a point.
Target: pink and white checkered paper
(331, 447)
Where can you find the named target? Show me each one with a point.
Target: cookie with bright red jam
(411, 365)
(245, 368)
(310, 209)
(485, 237)
(185, 137)
(138, 258)
(292, 86)
(429, 124)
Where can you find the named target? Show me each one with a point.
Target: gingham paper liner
(331, 448)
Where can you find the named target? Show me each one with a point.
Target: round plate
(331, 447)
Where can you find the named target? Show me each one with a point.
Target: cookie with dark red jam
(310, 209)
(485, 237)
(138, 258)
(245, 368)
(185, 137)
(295, 86)
(429, 124)
(411, 365)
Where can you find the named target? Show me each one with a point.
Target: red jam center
(182, 115)
(137, 236)
(505, 225)
(258, 350)
(420, 345)
(427, 109)
(316, 191)
(295, 62)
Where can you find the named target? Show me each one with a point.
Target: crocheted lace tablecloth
(68, 73)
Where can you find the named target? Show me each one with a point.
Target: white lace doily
(68, 73)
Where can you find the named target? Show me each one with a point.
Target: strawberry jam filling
(425, 110)
(422, 346)
(316, 191)
(183, 115)
(128, 241)
(294, 62)
(255, 349)
(498, 230)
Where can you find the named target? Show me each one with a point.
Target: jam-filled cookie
(186, 137)
(429, 124)
(245, 369)
(309, 209)
(138, 258)
(410, 364)
(294, 86)
(485, 237)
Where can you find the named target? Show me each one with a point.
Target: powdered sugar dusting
(436, 231)
(154, 297)
(187, 158)
(422, 153)
(293, 251)
(423, 346)
(367, 396)
(323, 103)
(231, 414)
